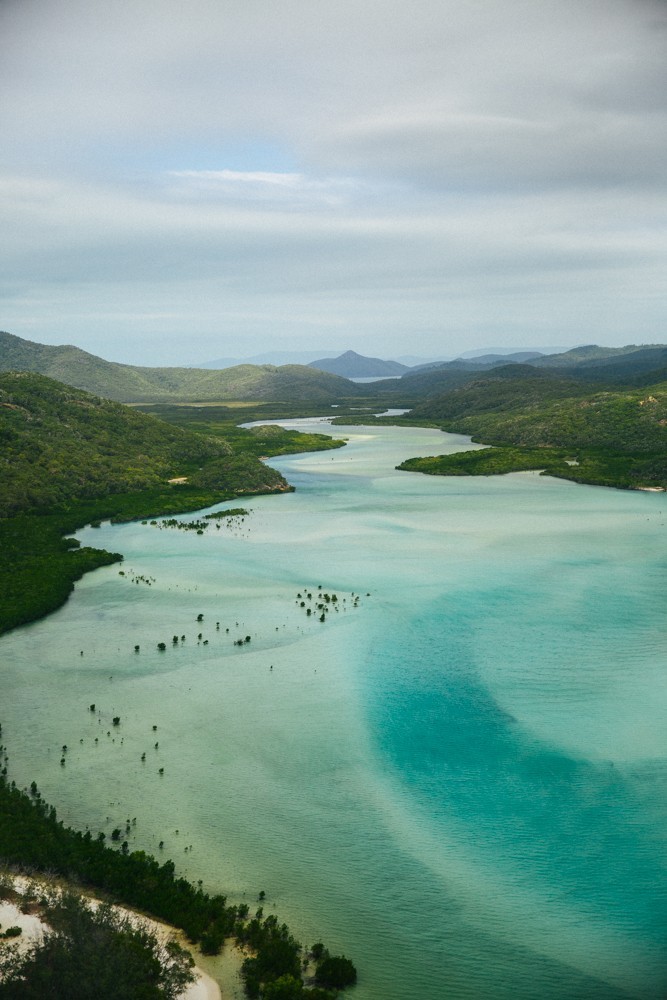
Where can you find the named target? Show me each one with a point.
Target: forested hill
(519, 405)
(614, 437)
(613, 364)
(129, 383)
(59, 444)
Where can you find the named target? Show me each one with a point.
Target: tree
(285, 988)
(335, 972)
(94, 954)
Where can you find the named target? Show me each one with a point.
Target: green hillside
(615, 437)
(590, 354)
(621, 365)
(129, 383)
(60, 444)
(68, 458)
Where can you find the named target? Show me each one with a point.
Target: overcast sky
(182, 181)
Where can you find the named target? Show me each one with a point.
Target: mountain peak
(353, 365)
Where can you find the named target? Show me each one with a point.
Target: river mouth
(456, 778)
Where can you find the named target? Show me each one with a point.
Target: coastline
(26, 916)
(47, 534)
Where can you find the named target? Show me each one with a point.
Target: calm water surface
(458, 778)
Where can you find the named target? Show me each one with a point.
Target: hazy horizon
(281, 357)
(222, 180)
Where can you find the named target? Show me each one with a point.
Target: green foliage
(221, 515)
(31, 836)
(617, 437)
(284, 988)
(58, 444)
(277, 953)
(94, 954)
(129, 383)
(289, 988)
(489, 462)
(69, 459)
(335, 972)
(40, 567)
(265, 440)
(269, 440)
(227, 475)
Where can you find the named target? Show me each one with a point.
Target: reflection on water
(457, 778)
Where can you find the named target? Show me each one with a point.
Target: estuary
(425, 716)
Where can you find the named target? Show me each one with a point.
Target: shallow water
(458, 780)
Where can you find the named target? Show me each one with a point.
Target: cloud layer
(180, 182)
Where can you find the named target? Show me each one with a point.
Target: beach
(23, 911)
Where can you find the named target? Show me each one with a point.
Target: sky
(185, 181)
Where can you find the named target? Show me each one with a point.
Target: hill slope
(518, 406)
(479, 362)
(59, 444)
(641, 365)
(613, 437)
(129, 383)
(68, 458)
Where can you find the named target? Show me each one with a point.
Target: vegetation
(231, 512)
(32, 836)
(353, 365)
(41, 567)
(262, 441)
(523, 408)
(61, 444)
(614, 437)
(129, 383)
(91, 953)
(489, 462)
(70, 459)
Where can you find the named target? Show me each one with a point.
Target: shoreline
(29, 919)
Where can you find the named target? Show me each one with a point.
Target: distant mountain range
(359, 362)
(633, 365)
(265, 358)
(353, 365)
(477, 361)
(130, 383)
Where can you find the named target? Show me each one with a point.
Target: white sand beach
(32, 926)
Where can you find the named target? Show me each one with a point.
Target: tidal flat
(457, 778)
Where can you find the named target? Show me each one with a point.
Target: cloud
(436, 170)
(295, 190)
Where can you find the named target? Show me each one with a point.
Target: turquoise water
(457, 779)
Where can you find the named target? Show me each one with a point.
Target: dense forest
(60, 445)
